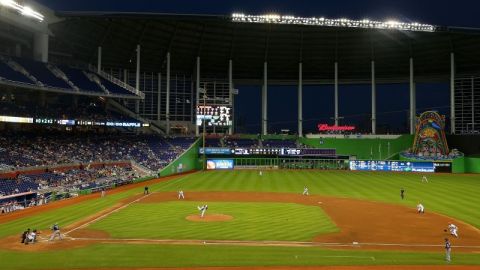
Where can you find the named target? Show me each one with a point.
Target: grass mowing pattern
(449, 194)
(252, 221)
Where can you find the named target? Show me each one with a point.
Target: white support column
(159, 97)
(167, 102)
(230, 92)
(99, 59)
(40, 47)
(300, 99)
(336, 94)
(137, 80)
(264, 99)
(197, 92)
(374, 100)
(412, 99)
(452, 93)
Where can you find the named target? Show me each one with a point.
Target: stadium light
(24, 10)
(342, 22)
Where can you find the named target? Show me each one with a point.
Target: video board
(214, 115)
(399, 166)
(219, 164)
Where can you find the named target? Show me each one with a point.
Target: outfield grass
(252, 221)
(453, 195)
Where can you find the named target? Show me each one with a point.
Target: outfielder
(181, 195)
(260, 173)
(420, 208)
(305, 191)
(56, 232)
(424, 179)
(202, 210)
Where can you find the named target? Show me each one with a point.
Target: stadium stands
(90, 111)
(40, 71)
(62, 78)
(26, 149)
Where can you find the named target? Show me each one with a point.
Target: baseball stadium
(145, 140)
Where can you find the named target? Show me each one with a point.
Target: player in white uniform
(181, 195)
(424, 179)
(453, 229)
(420, 208)
(202, 210)
(260, 173)
(305, 191)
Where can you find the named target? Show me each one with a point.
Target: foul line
(107, 214)
(256, 243)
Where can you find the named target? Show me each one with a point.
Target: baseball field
(349, 220)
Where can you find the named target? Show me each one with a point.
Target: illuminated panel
(24, 10)
(214, 115)
(314, 21)
(13, 119)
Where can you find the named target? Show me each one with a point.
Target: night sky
(354, 101)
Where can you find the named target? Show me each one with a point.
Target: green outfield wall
(363, 148)
(188, 161)
(466, 165)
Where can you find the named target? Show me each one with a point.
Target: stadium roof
(216, 39)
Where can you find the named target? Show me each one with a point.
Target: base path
(373, 225)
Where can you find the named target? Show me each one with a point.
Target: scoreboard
(298, 152)
(214, 115)
(400, 166)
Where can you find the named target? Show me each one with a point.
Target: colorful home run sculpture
(430, 141)
(430, 138)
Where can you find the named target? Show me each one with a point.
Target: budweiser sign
(326, 127)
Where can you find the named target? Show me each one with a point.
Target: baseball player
(424, 179)
(56, 232)
(260, 173)
(402, 193)
(420, 208)
(453, 229)
(202, 210)
(24, 236)
(145, 190)
(305, 191)
(181, 195)
(448, 249)
(103, 192)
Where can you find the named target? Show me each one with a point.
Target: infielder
(202, 210)
(453, 229)
(424, 179)
(448, 249)
(305, 191)
(56, 232)
(420, 208)
(181, 195)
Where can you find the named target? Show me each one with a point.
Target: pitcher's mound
(209, 218)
